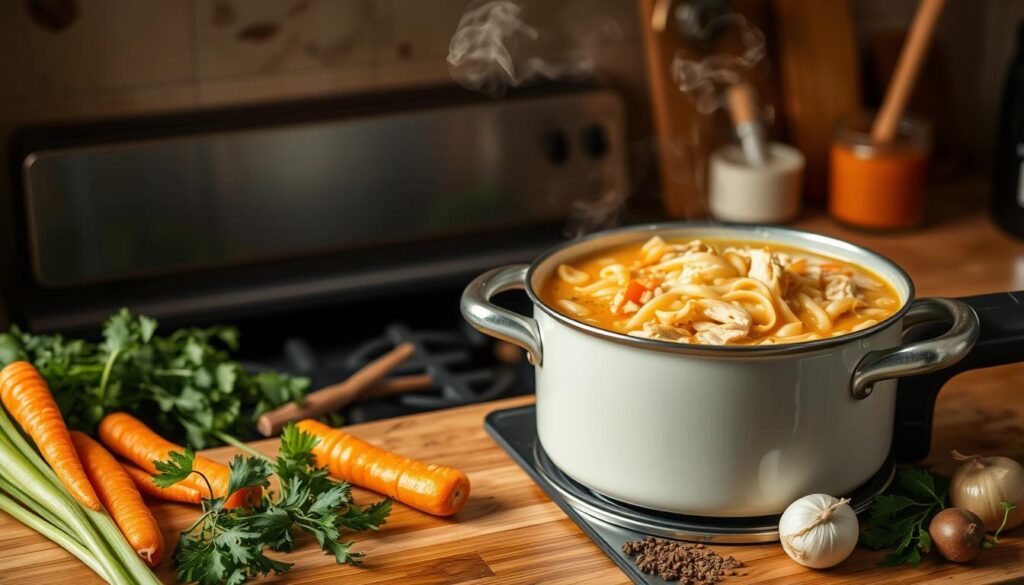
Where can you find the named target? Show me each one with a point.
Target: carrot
(634, 290)
(434, 489)
(121, 499)
(178, 492)
(130, 438)
(27, 397)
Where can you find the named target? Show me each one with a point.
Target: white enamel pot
(730, 431)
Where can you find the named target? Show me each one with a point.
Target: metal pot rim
(722, 350)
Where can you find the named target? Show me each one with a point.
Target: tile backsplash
(78, 59)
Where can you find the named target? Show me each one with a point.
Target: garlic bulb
(981, 484)
(819, 531)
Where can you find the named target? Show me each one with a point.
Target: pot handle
(925, 356)
(495, 321)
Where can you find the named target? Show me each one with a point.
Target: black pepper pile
(690, 564)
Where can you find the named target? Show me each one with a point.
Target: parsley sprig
(228, 546)
(183, 384)
(899, 521)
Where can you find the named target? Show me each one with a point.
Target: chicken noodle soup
(717, 292)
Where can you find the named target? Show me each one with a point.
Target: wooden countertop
(511, 533)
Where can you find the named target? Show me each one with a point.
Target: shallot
(819, 531)
(957, 534)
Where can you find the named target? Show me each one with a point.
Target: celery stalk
(51, 532)
(32, 503)
(24, 467)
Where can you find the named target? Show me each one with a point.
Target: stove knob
(556, 147)
(594, 140)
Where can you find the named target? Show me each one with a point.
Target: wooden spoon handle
(902, 84)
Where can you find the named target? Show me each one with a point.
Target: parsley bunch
(183, 384)
(899, 521)
(228, 546)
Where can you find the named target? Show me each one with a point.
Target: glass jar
(879, 186)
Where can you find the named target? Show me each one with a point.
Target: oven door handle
(496, 321)
(920, 357)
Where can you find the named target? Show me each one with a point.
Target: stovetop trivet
(610, 524)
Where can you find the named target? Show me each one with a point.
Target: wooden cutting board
(511, 533)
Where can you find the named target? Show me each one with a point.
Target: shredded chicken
(677, 250)
(716, 334)
(767, 268)
(693, 293)
(663, 332)
(726, 314)
(839, 286)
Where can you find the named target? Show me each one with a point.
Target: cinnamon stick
(334, 397)
(397, 385)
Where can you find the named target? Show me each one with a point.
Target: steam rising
(494, 48)
(603, 209)
(703, 79)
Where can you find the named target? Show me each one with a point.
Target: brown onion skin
(957, 534)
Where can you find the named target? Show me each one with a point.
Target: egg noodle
(720, 292)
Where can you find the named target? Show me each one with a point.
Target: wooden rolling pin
(334, 397)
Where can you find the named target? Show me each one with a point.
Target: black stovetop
(329, 344)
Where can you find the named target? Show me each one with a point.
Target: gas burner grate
(462, 366)
(450, 360)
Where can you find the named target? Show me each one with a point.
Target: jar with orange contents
(879, 186)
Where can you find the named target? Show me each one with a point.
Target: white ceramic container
(729, 431)
(746, 193)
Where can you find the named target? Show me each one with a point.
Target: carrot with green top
(178, 492)
(121, 498)
(27, 397)
(130, 438)
(434, 489)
